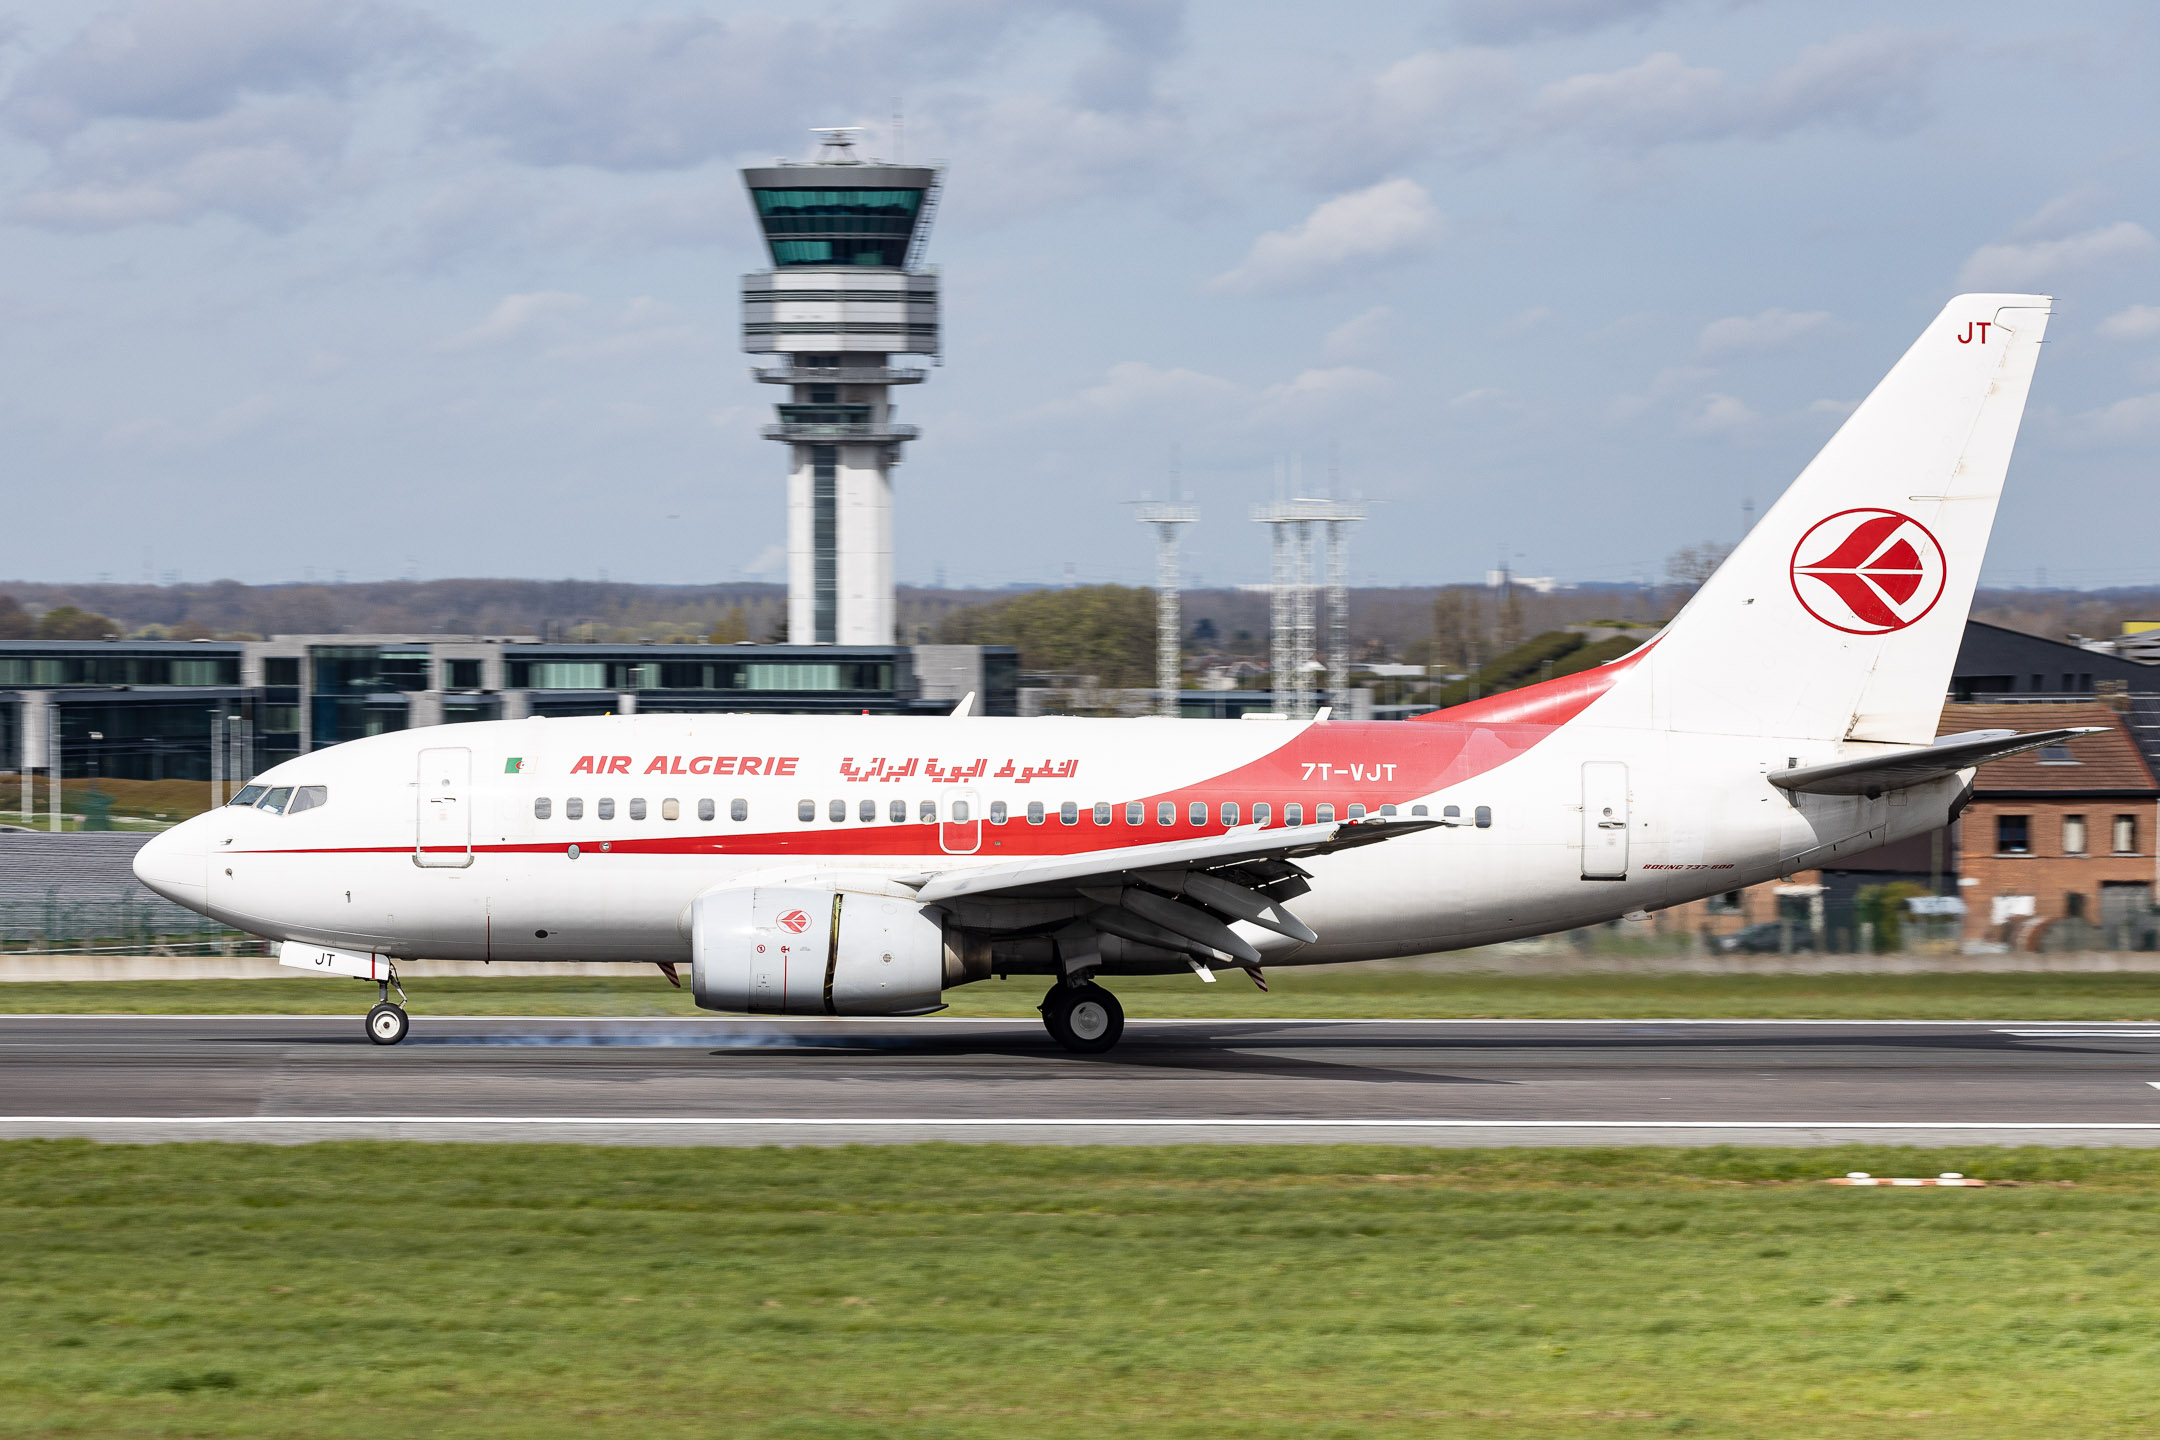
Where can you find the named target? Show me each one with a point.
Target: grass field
(371, 1289)
(1346, 991)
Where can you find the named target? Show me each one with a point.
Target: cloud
(1722, 415)
(2135, 417)
(514, 316)
(1875, 81)
(1503, 22)
(1472, 103)
(2038, 261)
(195, 59)
(267, 163)
(1754, 334)
(1525, 322)
(1362, 335)
(1387, 222)
(1134, 392)
(2139, 322)
(1316, 394)
(168, 110)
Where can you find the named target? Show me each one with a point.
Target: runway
(823, 1082)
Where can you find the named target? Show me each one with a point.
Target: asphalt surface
(763, 1082)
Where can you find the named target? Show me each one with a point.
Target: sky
(301, 289)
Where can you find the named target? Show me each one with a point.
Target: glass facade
(35, 672)
(658, 677)
(825, 542)
(838, 227)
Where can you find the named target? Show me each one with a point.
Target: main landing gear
(387, 1023)
(1085, 1019)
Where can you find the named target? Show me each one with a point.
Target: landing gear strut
(387, 1023)
(1086, 1019)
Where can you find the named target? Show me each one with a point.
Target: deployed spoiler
(1872, 775)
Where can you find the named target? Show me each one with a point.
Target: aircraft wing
(1871, 775)
(1179, 896)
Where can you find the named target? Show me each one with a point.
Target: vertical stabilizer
(1840, 614)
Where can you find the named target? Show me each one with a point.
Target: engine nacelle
(809, 950)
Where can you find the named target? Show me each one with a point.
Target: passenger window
(1069, 813)
(1197, 812)
(1135, 812)
(1293, 814)
(837, 811)
(927, 812)
(573, 808)
(997, 812)
(706, 810)
(1166, 812)
(738, 810)
(867, 812)
(1323, 813)
(959, 812)
(276, 800)
(1357, 812)
(1387, 812)
(1419, 810)
(1035, 812)
(1484, 817)
(1260, 812)
(806, 811)
(897, 811)
(542, 807)
(605, 810)
(671, 809)
(1452, 814)
(1229, 812)
(248, 795)
(1102, 812)
(308, 797)
(637, 808)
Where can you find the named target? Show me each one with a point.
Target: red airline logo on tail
(1868, 572)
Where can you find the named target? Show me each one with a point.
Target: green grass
(1344, 991)
(372, 1289)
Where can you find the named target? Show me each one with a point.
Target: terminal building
(209, 709)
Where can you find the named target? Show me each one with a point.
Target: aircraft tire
(386, 1024)
(1086, 1020)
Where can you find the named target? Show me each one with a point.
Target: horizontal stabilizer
(1871, 775)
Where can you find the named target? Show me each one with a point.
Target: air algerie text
(689, 765)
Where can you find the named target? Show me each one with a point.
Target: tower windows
(825, 542)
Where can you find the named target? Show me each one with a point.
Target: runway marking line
(1070, 1123)
(1999, 1026)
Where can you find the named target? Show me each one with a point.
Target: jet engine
(816, 950)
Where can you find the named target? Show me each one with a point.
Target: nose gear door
(1604, 820)
(442, 837)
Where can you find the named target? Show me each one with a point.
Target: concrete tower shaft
(846, 294)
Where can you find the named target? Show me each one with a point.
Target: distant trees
(732, 628)
(15, 622)
(67, 622)
(1107, 631)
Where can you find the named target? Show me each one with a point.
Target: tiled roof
(2108, 762)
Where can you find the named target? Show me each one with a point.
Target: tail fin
(1839, 616)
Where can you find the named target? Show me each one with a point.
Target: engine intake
(812, 950)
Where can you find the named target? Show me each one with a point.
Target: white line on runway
(1029, 1020)
(1072, 1123)
(2087, 1034)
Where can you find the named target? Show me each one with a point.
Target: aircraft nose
(176, 864)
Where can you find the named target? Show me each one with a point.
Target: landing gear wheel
(386, 1024)
(1086, 1019)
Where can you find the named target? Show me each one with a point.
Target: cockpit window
(276, 801)
(248, 795)
(308, 797)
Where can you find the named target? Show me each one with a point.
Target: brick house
(2056, 850)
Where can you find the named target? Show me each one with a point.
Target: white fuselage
(493, 879)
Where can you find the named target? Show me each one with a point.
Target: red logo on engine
(1868, 572)
(794, 922)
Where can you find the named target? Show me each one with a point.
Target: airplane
(856, 866)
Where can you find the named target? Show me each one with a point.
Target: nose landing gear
(387, 1023)
(1085, 1019)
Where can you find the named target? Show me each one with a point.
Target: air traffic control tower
(847, 294)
